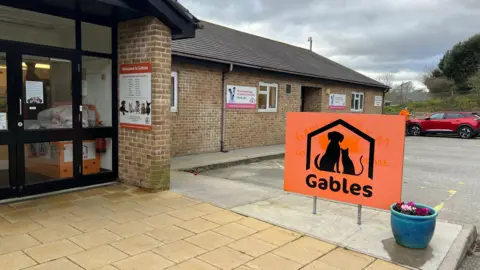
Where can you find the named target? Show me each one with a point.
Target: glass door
(47, 147)
(8, 182)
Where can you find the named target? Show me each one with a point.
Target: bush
(469, 102)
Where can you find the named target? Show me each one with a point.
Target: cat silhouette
(148, 107)
(348, 166)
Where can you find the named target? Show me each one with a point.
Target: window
(174, 98)
(454, 116)
(357, 102)
(437, 116)
(97, 92)
(37, 28)
(267, 97)
(96, 38)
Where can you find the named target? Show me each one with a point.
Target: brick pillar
(144, 156)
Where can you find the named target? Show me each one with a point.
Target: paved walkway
(121, 227)
(201, 160)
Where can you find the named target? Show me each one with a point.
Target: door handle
(20, 110)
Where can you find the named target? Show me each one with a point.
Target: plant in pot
(413, 224)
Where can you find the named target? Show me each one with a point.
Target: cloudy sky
(402, 37)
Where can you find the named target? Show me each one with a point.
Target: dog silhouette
(123, 110)
(331, 159)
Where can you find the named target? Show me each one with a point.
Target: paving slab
(373, 237)
(334, 222)
(221, 192)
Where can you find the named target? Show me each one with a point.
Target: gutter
(223, 117)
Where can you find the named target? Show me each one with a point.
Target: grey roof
(221, 44)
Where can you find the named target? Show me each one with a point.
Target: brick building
(95, 91)
(295, 79)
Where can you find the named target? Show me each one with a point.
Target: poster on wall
(135, 96)
(378, 101)
(34, 92)
(241, 97)
(337, 101)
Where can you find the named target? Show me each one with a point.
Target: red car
(465, 124)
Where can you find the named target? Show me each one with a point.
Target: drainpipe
(224, 94)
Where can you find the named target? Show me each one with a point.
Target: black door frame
(14, 51)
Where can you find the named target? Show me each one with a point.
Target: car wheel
(415, 130)
(465, 132)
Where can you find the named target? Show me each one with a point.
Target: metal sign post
(314, 205)
(359, 216)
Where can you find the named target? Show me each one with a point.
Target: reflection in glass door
(4, 164)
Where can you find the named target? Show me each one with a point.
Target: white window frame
(268, 85)
(361, 104)
(174, 108)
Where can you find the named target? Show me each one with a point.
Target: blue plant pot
(413, 231)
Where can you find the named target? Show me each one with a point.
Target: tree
(387, 79)
(440, 87)
(401, 94)
(461, 62)
(405, 89)
(474, 82)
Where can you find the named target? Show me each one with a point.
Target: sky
(403, 37)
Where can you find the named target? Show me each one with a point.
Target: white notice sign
(135, 96)
(3, 121)
(34, 92)
(89, 151)
(378, 101)
(337, 101)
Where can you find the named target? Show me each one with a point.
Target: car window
(437, 116)
(452, 116)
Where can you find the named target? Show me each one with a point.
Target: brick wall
(249, 128)
(144, 156)
(347, 89)
(196, 126)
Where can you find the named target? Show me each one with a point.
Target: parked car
(465, 124)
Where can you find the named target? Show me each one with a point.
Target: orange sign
(353, 158)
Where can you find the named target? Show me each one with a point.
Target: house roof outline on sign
(371, 155)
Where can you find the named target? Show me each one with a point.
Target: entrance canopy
(107, 12)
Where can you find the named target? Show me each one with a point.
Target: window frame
(361, 104)
(174, 108)
(267, 93)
